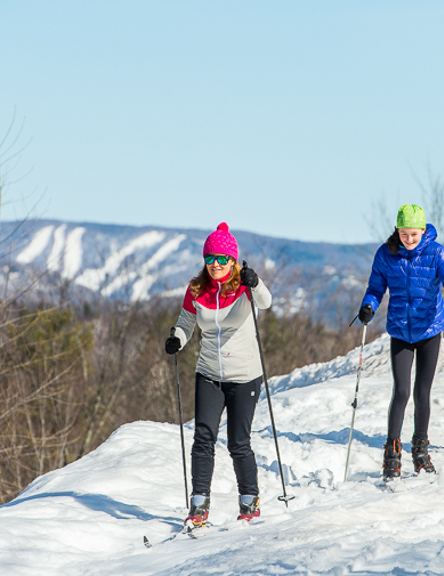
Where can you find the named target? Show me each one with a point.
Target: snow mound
(376, 360)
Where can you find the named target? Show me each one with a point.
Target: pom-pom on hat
(411, 216)
(221, 241)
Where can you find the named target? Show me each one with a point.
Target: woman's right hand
(366, 313)
(172, 345)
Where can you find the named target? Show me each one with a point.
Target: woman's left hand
(249, 277)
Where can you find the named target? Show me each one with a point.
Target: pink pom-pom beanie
(221, 242)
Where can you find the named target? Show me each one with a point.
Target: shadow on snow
(98, 503)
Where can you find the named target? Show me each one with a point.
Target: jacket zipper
(409, 301)
(219, 332)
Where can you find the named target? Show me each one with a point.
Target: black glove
(249, 277)
(366, 313)
(172, 345)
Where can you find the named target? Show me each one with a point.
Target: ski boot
(391, 467)
(249, 507)
(198, 514)
(420, 456)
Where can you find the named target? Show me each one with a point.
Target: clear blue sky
(283, 117)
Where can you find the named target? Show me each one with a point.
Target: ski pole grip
(244, 266)
(173, 332)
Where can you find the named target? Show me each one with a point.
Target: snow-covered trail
(90, 517)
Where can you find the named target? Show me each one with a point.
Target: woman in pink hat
(228, 372)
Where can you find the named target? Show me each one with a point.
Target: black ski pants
(402, 354)
(240, 400)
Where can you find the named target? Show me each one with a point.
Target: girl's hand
(366, 314)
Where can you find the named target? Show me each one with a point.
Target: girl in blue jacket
(411, 265)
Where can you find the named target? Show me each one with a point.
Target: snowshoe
(420, 456)
(199, 510)
(249, 510)
(391, 467)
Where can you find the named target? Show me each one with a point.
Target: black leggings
(240, 400)
(402, 354)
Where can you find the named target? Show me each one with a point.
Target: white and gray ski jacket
(229, 349)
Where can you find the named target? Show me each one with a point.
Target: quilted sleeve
(441, 264)
(377, 284)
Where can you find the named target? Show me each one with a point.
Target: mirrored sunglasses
(210, 258)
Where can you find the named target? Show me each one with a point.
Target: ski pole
(284, 498)
(182, 439)
(355, 401)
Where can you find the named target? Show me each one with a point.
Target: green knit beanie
(411, 216)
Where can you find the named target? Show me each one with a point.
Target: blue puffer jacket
(413, 277)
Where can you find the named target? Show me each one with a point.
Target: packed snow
(94, 278)
(55, 257)
(72, 258)
(37, 245)
(90, 517)
(142, 278)
(142, 285)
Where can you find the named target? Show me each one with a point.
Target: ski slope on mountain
(140, 263)
(90, 517)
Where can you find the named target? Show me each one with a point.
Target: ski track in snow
(90, 517)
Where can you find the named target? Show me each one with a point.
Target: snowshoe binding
(420, 456)
(199, 510)
(249, 508)
(391, 467)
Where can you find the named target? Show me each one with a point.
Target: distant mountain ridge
(139, 262)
